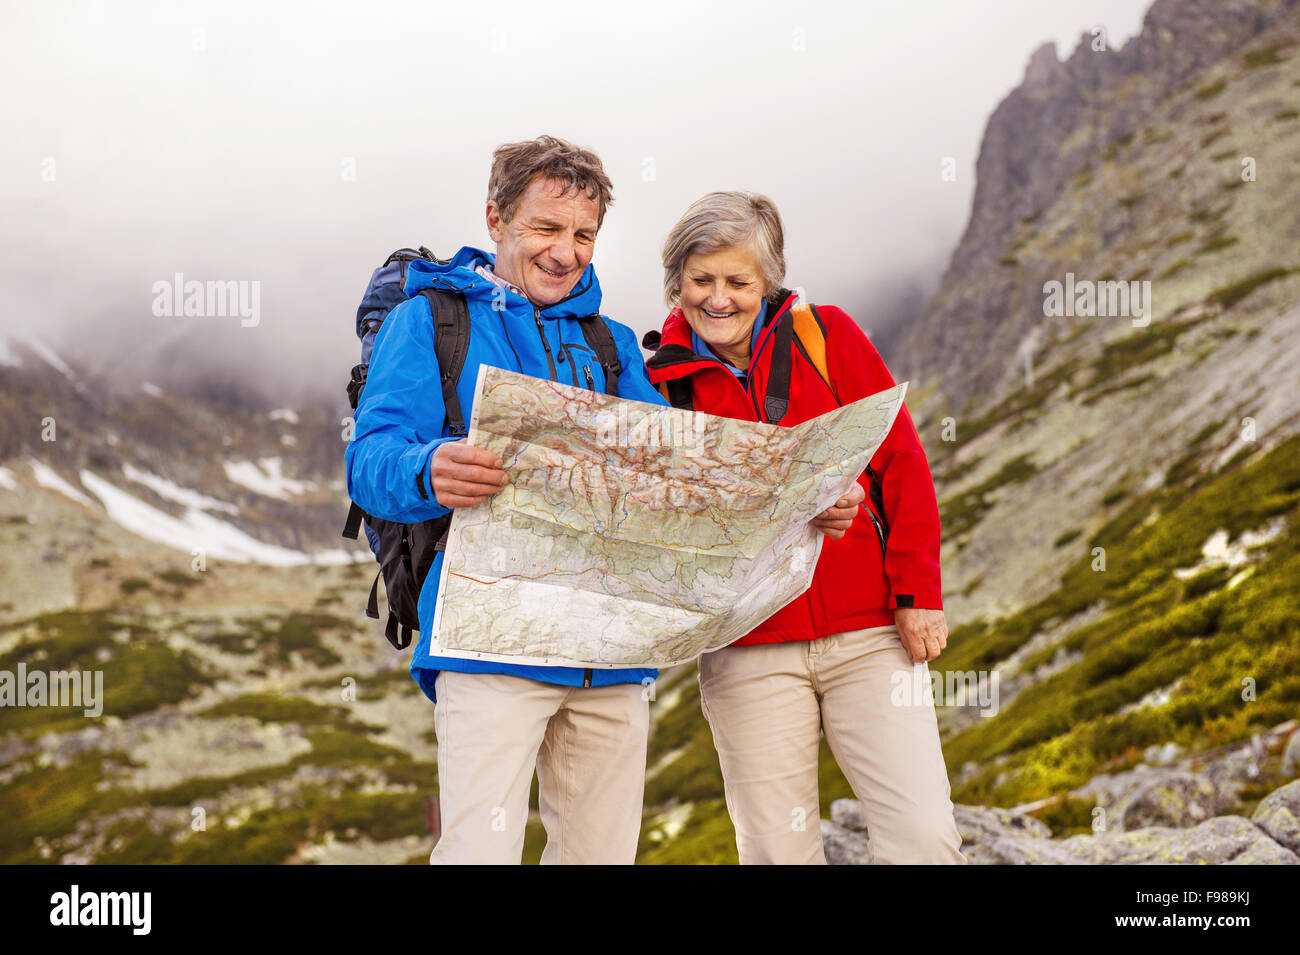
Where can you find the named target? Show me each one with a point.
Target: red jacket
(855, 584)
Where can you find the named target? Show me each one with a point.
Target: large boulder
(1176, 799)
(1224, 840)
(1146, 797)
(980, 823)
(1279, 815)
(994, 836)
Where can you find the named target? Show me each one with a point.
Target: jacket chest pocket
(584, 367)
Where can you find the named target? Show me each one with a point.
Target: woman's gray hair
(721, 220)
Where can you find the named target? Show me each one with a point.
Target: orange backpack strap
(810, 338)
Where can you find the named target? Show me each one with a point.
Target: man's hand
(924, 632)
(835, 521)
(462, 476)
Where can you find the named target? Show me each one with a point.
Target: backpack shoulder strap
(601, 341)
(451, 343)
(777, 400)
(678, 392)
(810, 339)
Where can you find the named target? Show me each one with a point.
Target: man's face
(548, 244)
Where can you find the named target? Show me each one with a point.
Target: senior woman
(735, 345)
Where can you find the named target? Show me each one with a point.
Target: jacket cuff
(422, 472)
(929, 600)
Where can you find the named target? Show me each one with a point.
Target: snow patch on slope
(265, 478)
(174, 492)
(7, 354)
(46, 476)
(195, 529)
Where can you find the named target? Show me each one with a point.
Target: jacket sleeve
(911, 506)
(400, 421)
(634, 381)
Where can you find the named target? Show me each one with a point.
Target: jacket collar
(458, 275)
(674, 357)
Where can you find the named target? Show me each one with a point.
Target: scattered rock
(993, 836)
(1175, 798)
(1019, 850)
(1279, 815)
(1224, 840)
(1291, 756)
(848, 813)
(978, 823)
(1235, 769)
(844, 846)
(1160, 755)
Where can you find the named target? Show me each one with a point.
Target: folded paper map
(632, 534)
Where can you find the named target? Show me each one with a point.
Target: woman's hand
(834, 522)
(924, 632)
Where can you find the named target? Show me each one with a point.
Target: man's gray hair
(721, 220)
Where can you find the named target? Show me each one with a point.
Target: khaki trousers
(588, 745)
(766, 706)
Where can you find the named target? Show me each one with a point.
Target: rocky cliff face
(1169, 168)
(1069, 119)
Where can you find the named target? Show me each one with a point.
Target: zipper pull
(537, 317)
(541, 331)
(591, 382)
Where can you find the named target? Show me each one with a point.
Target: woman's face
(722, 293)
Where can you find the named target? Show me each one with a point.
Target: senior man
(583, 730)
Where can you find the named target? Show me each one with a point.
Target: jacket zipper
(550, 363)
(573, 365)
(541, 333)
(880, 531)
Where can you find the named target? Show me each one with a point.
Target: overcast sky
(215, 139)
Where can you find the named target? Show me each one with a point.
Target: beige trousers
(588, 745)
(767, 705)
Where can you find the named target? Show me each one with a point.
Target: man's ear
(494, 224)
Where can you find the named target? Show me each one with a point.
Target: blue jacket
(401, 419)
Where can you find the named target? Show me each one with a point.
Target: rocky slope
(1119, 508)
(1152, 815)
(1079, 136)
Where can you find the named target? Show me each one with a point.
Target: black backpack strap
(601, 341)
(679, 393)
(392, 630)
(408, 254)
(777, 401)
(372, 605)
(451, 343)
(352, 527)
